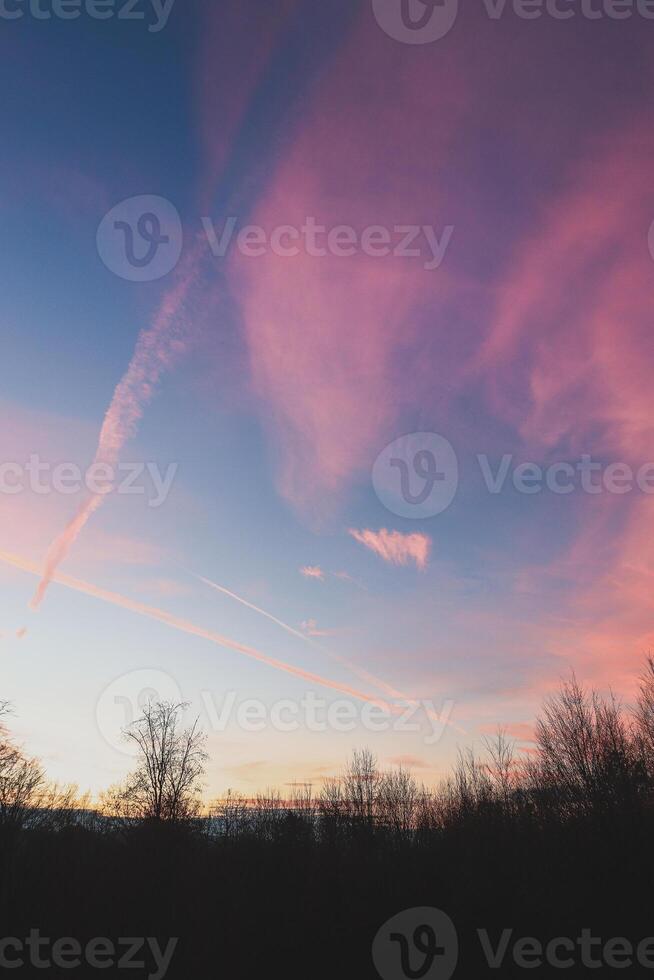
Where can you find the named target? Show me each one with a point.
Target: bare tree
(587, 757)
(166, 784)
(22, 780)
(469, 790)
(332, 806)
(644, 716)
(398, 798)
(502, 767)
(361, 782)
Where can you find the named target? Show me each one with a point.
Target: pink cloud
(567, 356)
(395, 547)
(312, 571)
(568, 363)
(329, 336)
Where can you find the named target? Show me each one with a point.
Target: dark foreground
(509, 869)
(311, 907)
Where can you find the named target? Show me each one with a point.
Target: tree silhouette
(166, 784)
(22, 780)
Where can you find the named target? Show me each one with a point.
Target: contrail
(185, 626)
(157, 347)
(362, 674)
(250, 605)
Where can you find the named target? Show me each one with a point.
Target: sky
(357, 316)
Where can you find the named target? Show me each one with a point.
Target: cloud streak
(157, 348)
(395, 547)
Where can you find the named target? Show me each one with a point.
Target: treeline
(544, 845)
(590, 757)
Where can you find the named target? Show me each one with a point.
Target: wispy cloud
(312, 571)
(310, 627)
(395, 547)
(157, 348)
(328, 336)
(346, 577)
(567, 362)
